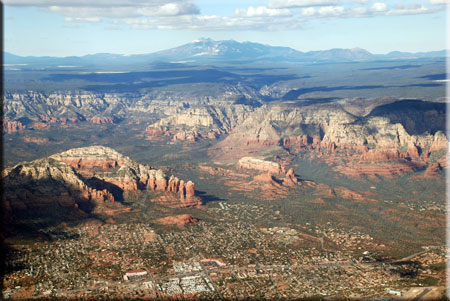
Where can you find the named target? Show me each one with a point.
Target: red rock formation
(113, 168)
(40, 125)
(350, 194)
(440, 142)
(261, 165)
(161, 184)
(102, 120)
(177, 201)
(68, 188)
(36, 140)
(290, 179)
(413, 152)
(266, 178)
(386, 169)
(331, 148)
(155, 134)
(186, 136)
(182, 190)
(190, 190)
(173, 184)
(177, 220)
(13, 126)
(433, 169)
(380, 155)
(211, 135)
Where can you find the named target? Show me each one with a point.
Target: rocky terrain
(46, 183)
(260, 164)
(360, 136)
(87, 180)
(363, 142)
(177, 220)
(37, 110)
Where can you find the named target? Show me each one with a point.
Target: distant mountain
(341, 54)
(409, 55)
(209, 51)
(228, 50)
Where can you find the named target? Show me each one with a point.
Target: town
(220, 260)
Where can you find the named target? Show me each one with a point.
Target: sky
(80, 27)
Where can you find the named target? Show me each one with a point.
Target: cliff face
(71, 107)
(362, 138)
(46, 183)
(409, 133)
(87, 179)
(261, 165)
(111, 167)
(207, 122)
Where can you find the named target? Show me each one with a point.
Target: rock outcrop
(84, 180)
(177, 220)
(290, 178)
(433, 169)
(199, 122)
(113, 168)
(260, 164)
(342, 138)
(46, 183)
(102, 120)
(13, 126)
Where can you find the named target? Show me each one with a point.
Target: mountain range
(210, 51)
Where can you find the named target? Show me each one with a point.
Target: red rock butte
(112, 167)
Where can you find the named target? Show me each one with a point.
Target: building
(134, 275)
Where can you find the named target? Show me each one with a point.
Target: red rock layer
(266, 178)
(13, 126)
(102, 120)
(290, 179)
(261, 165)
(178, 220)
(177, 135)
(36, 140)
(380, 169)
(88, 167)
(118, 170)
(173, 201)
(379, 155)
(433, 169)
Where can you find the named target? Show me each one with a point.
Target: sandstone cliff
(114, 168)
(195, 122)
(260, 164)
(331, 131)
(84, 180)
(177, 220)
(46, 183)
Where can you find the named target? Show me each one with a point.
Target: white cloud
(90, 3)
(90, 11)
(300, 3)
(379, 7)
(82, 19)
(184, 14)
(331, 11)
(439, 1)
(215, 23)
(261, 11)
(308, 11)
(413, 10)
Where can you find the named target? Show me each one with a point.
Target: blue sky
(79, 27)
